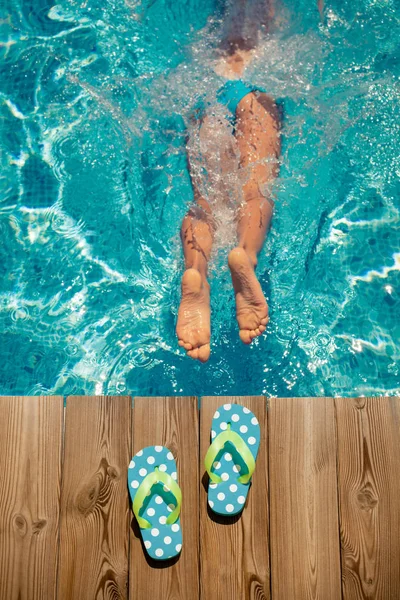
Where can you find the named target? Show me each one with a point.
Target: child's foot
(193, 327)
(251, 306)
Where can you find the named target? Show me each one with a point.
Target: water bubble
(72, 349)
(19, 314)
(140, 358)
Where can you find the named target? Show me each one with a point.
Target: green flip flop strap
(240, 446)
(144, 488)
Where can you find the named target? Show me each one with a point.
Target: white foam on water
(15, 110)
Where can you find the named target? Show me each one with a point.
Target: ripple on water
(19, 315)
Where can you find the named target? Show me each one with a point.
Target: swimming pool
(95, 99)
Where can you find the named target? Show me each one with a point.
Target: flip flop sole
(162, 541)
(228, 497)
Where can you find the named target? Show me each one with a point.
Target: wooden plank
(305, 548)
(369, 485)
(30, 478)
(170, 422)
(234, 551)
(94, 501)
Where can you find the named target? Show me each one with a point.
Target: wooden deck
(322, 519)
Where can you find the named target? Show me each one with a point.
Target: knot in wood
(110, 587)
(366, 498)
(112, 472)
(20, 524)
(359, 403)
(38, 526)
(257, 589)
(86, 498)
(97, 489)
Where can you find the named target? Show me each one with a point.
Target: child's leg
(196, 236)
(258, 138)
(193, 326)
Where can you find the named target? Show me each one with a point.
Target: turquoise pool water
(95, 99)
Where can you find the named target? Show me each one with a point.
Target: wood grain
(234, 551)
(170, 422)
(305, 549)
(30, 478)
(369, 484)
(94, 506)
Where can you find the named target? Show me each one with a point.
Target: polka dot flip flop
(230, 460)
(156, 501)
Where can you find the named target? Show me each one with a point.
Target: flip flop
(230, 460)
(156, 501)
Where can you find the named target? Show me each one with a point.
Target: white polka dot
(211, 503)
(132, 464)
(227, 406)
(213, 434)
(159, 500)
(254, 421)
(217, 414)
(229, 508)
(135, 484)
(175, 527)
(142, 472)
(178, 547)
(174, 475)
(162, 468)
(235, 418)
(252, 440)
(228, 456)
(241, 499)
(151, 460)
(158, 448)
(246, 410)
(159, 552)
(166, 488)
(243, 429)
(217, 465)
(213, 485)
(224, 476)
(162, 520)
(154, 532)
(171, 507)
(140, 453)
(170, 456)
(233, 487)
(147, 544)
(237, 468)
(167, 539)
(151, 512)
(223, 426)
(221, 496)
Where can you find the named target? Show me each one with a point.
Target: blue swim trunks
(230, 94)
